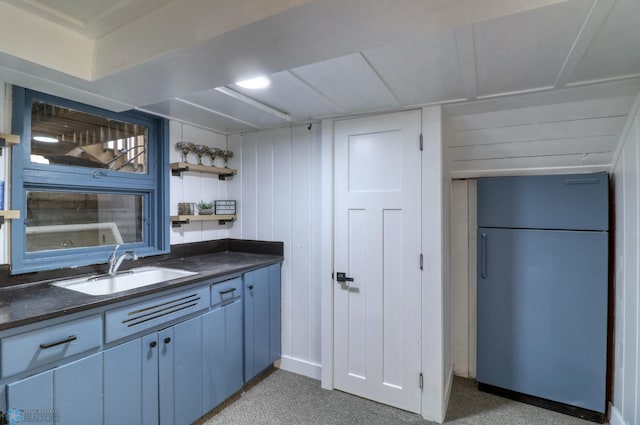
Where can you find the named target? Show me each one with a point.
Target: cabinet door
(188, 371)
(256, 322)
(275, 348)
(222, 354)
(77, 392)
(180, 373)
(70, 394)
(150, 354)
(34, 392)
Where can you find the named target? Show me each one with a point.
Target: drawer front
(43, 346)
(226, 292)
(134, 318)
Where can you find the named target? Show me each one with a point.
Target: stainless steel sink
(124, 281)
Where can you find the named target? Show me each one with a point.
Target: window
(85, 179)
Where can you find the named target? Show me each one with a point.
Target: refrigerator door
(542, 314)
(564, 202)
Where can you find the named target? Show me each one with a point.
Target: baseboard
(301, 367)
(616, 416)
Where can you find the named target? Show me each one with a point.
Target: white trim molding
(301, 367)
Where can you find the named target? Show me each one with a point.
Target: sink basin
(124, 281)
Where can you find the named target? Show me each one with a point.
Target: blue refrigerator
(542, 290)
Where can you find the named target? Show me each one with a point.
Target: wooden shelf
(177, 168)
(179, 220)
(8, 215)
(10, 139)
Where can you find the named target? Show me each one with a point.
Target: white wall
(194, 187)
(626, 170)
(278, 194)
(5, 161)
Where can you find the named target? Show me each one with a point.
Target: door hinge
(421, 382)
(421, 142)
(421, 261)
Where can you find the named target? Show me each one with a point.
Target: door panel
(123, 384)
(542, 321)
(77, 392)
(187, 370)
(34, 392)
(377, 242)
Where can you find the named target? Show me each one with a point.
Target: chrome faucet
(115, 262)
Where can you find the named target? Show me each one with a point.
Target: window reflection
(59, 220)
(68, 137)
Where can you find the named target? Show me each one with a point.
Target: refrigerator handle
(484, 256)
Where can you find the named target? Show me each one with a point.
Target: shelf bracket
(3, 144)
(177, 172)
(179, 223)
(1, 221)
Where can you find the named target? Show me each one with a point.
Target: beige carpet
(287, 398)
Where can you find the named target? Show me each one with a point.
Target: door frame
(437, 366)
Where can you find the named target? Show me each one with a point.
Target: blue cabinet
(262, 323)
(156, 378)
(222, 344)
(67, 395)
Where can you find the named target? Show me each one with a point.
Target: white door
(377, 243)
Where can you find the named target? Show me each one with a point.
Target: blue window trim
(153, 186)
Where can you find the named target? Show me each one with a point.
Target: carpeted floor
(287, 398)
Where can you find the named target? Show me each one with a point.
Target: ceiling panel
(289, 94)
(421, 70)
(526, 50)
(187, 113)
(216, 101)
(350, 83)
(615, 51)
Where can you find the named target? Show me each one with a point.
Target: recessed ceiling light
(254, 83)
(45, 139)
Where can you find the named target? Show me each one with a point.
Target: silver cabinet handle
(484, 256)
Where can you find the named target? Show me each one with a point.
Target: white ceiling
(326, 58)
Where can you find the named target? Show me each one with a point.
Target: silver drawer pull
(46, 345)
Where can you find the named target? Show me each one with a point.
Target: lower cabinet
(171, 376)
(156, 378)
(262, 338)
(67, 395)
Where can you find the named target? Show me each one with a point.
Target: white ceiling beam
(213, 111)
(467, 58)
(592, 24)
(252, 102)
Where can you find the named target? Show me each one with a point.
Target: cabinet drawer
(43, 346)
(226, 292)
(134, 318)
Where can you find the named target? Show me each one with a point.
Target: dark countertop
(32, 302)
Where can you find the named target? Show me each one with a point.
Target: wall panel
(278, 189)
(626, 170)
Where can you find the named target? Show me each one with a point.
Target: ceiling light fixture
(45, 139)
(254, 83)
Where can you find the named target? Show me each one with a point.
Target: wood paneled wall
(508, 138)
(278, 194)
(194, 187)
(626, 385)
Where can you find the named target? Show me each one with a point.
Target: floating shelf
(179, 220)
(177, 168)
(7, 140)
(8, 215)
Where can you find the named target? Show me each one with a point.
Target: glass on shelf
(185, 147)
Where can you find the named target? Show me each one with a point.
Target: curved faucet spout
(114, 264)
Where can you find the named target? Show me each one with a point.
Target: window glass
(60, 220)
(66, 136)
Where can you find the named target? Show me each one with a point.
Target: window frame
(28, 176)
